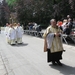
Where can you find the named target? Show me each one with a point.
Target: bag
(45, 45)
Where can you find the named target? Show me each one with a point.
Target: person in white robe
(19, 33)
(6, 32)
(53, 43)
(12, 35)
(15, 27)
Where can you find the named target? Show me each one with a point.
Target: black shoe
(53, 62)
(15, 41)
(59, 63)
(12, 44)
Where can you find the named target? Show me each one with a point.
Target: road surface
(29, 58)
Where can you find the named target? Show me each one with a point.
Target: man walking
(19, 33)
(12, 35)
(52, 38)
(6, 32)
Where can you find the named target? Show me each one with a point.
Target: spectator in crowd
(67, 26)
(38, 28)
(35, 26)
(73, 22)
(68, 16)
(66, 30)
(70, 23)
(59, 23)
(64, 24)
(30, 26)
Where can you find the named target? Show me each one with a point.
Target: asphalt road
(29, 58)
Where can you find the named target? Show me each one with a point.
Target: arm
(46, 32)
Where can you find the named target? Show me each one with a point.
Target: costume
(19, 34)
(12, 35)
(54, 44)
(6, 33)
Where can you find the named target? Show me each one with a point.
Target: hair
(52, 20)
(65, 20)
(73, 18)
(18, 23)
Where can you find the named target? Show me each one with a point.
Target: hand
(57, 34)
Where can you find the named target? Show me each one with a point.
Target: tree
(41, 11)
(11, 2)
(4, 13)
(34, 10)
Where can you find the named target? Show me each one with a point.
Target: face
(6, 24)
(53, 23)
(18, 24)
(10, 25)
(68, 16)
(69, 20)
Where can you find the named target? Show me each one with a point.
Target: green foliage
(40, 11)
(37, 10)
(11, 2)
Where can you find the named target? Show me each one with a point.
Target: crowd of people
(13, 33)
(66, 25)
(34, 26)
(52, 37)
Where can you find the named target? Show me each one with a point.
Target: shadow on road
(20, 45)
(24, 44)
(70, 43)
(65, 69)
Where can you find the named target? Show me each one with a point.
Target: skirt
(53, 56)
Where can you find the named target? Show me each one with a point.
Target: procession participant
(53, 43)
(12, 35)
(19, 33)
(6, 31)
(15, 27)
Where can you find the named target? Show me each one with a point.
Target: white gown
(12, 35)
(19, 34)
(16, 33)
(6, 33)
(49, 39)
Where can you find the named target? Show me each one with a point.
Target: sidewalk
(2, 67)
(29, 58)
